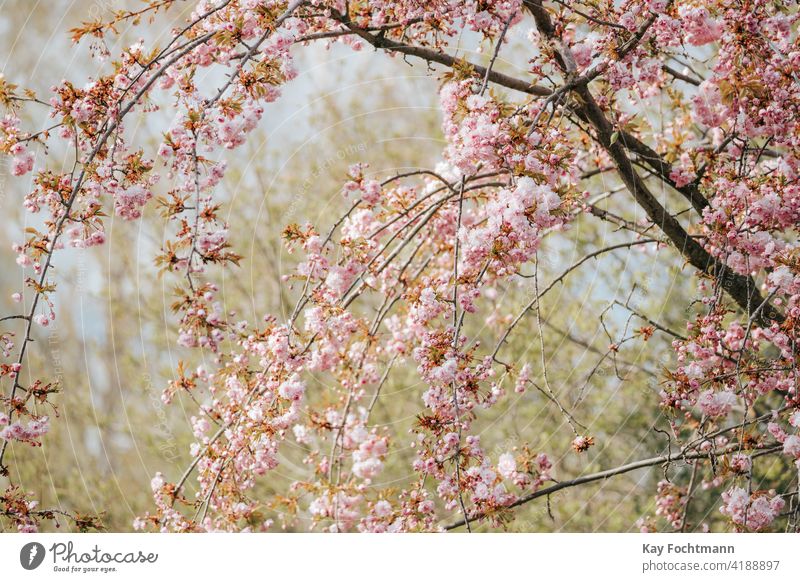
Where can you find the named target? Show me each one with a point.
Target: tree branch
(603, 475)
(741, 289)
(433, 56)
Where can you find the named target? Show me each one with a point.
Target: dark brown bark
(742, 289)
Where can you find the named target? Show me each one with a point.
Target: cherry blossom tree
(417, 254)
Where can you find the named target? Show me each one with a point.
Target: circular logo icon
(31, 555)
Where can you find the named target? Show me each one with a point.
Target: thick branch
(741, 289)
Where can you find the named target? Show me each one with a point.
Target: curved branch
(561, 278)
(433, 56)
(603, 475)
